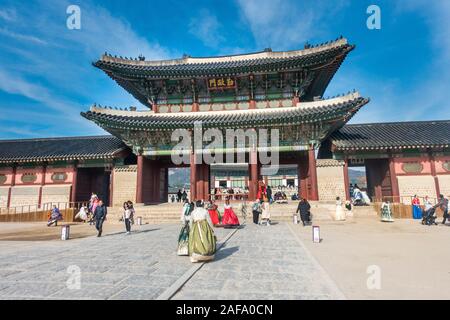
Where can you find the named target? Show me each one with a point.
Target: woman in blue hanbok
(416, 210)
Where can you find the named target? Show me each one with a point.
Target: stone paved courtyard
(261, 263)
(256, 262)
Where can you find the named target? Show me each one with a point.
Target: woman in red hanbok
(262, 191)
(229, 218)
(213, 213)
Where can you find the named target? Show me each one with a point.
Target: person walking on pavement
(443, 204)
(256, 210)
(269, 194)
(128, 215)
(100, 216)
(303, 208)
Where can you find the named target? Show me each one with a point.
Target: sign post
(316, 234)
(65, 232)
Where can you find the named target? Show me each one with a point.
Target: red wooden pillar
(111, 187)
(195, 107)
(346, 181)
(394, 181)
(193, 177)
(254, 175)
(166, 185)
(13, 183)
(295, 100)
(73, 196)
(206, 182)
(312, 176)
(433, 173)
(252, 104)
(140, 179)
(153, 176)
(199, 189)
(44, 170)
(302, 174)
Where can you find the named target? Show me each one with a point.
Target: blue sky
(46, 76)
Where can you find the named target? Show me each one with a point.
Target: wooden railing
(29, 213)
(402, 206)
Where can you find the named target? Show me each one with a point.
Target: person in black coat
(303, 208)
(100, 216)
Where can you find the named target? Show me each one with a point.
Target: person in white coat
(340, 214)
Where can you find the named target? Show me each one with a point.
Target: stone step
(170, 212)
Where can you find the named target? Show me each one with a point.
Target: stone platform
(170, 212)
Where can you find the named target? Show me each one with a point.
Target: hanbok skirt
(202, 242)
(214, 216)
(265, 214)
(340, 214)
(229, 218)
(417, 212)
(183, 241)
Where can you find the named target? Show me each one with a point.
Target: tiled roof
(322, 60)
(393, 135)
(308, 112)
(55, 149)
(227, 65)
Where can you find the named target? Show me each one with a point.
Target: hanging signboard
(221, 83)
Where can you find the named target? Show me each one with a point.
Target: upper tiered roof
(323, 59)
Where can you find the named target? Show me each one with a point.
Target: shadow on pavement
(224, 253)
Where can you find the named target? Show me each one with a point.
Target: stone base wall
(4, 197)
(56, 194)
(24, 196)
(444, 184)
(124, 184)
(421, 185)
(330, 179)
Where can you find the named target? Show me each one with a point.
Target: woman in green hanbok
(386, 213)
(202, 241)
(183, 238)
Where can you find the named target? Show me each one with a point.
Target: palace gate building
(264, 90)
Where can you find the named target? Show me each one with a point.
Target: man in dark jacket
(269, 194)
(443, 204)
(303, 208)
(99, 217)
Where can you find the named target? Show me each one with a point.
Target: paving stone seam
(326, 277)
(177, 285)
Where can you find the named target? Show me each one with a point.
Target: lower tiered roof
(336, 109)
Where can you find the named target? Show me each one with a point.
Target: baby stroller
(429, 218)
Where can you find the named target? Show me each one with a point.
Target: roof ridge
(394, 122)
(58, 138)
(351, 96)
(187, 59)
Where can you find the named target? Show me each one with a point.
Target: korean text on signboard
(221, 83)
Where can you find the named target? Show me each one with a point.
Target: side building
(34, 172)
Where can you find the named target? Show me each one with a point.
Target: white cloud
(60, 75)
(22, 37)
(281, 23)
(8, 14)
(206, 27)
